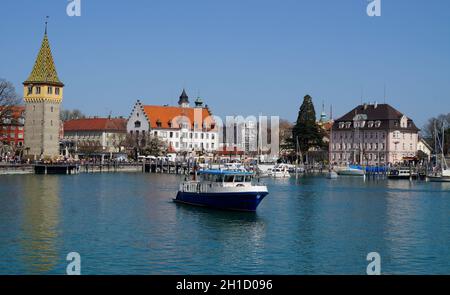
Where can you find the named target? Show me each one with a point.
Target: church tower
(43, 94)
(184, 100)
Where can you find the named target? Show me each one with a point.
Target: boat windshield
(227, 178)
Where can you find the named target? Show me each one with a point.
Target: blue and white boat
(223, 189)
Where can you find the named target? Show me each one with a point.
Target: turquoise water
(126, 223)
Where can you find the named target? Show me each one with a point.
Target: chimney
(375, 105)
(365, 106)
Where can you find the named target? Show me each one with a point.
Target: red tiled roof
(15, 111)
(96, 124)
(166, 114)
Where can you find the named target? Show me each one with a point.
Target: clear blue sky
(243, 56)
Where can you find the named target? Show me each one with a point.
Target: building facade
(183, 128)
(95, 135)
(373, 134)
(12, 127)
(43, 94)
(425, 148)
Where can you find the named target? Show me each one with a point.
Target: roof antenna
(46, 22)
(362, 94)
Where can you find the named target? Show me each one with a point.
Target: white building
(102, 135)
(183, 128)
(424, 147)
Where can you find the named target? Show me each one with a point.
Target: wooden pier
(56, 169)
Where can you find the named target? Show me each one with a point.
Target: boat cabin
(226, 176)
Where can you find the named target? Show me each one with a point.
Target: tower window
(30, 90)
(57, 90)
(137, 124)
(50, 90)
(51, 109)
(38, 90)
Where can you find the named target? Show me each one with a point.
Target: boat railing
(203, 187)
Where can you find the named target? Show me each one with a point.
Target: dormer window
(377, 124)
(158, 123)
(341, 125)
(348, 124)
(370, 124)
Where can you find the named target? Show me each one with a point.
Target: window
(370, 124)
(30, 90)
(51, 109)
(38, 90)
(171, 134)
(377, 124)
(137, 124)
(57, 90)
(50, 90)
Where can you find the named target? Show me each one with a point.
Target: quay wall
(16, 169)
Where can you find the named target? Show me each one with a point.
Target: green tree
(306, 131)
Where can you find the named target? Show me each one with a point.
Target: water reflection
(40, 218)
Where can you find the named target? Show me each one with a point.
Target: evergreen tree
(306, 132)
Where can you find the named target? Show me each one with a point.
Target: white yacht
(279, 171)
(351, 170)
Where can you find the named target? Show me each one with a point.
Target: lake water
(126, 223)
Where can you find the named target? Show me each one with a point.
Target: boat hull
(239, 201)
(438, 178)
(351, 173)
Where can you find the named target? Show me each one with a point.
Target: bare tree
(71, 115)
(147, 145)
(428, 132)
(8, 97)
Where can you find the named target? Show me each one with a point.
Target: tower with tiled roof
(43, 94)
(184, 100)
